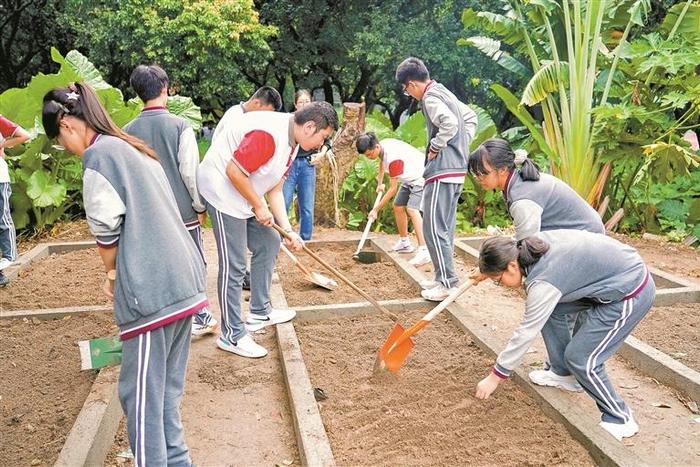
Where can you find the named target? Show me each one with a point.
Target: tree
(205, 46)
(28, 30)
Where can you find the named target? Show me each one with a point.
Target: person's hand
(2, 142)
(432, 155)
(108, 287)
(263, 215)
(380, 188)
(294, 242)
(202, 217)
(316, 159)
(486, 386)
(477, 276)
(372, 214)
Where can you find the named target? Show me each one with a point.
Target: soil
(427, 414)
(674, 330)
(670, 257)
(59, 280)
(61, 232)
(43, 388)
(381, 281)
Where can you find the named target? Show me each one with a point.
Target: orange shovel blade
(394, 360)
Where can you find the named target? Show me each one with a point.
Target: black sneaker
(3, 280)
(246, 281)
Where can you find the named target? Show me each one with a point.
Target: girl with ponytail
(536, 201)
(569, 273)
(154, 272)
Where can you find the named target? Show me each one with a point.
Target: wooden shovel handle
(341, 277)
(369, 224)
(295, 260)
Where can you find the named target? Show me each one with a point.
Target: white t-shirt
(402, 160)
(259, 144)
(230, 116)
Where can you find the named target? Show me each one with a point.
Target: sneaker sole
(256, 325)
(204, 331)
(433, 299)
(236, 351)
(553, 384)
(422, 263)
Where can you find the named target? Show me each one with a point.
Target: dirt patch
(60, 280)
(674, 330)
(671, 257)
(43, 388)
(381, 281)
(427, 415)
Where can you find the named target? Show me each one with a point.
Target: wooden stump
(326, 212)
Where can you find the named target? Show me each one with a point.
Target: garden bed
(675, 330)
(381, 280)
(60, 280)
(427, 414)
(43, 388)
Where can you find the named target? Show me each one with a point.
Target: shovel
(312, 276)
(398, 345)
(340, 276)
(100, 352)
(367, 256)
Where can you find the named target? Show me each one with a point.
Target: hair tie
(520, 156)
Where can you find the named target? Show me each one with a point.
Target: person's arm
(18, 137)
(527, 218)
(105, 212)
(388, 196)
(445, 121)
(279, 211)
(256, 149)
(188, 157)
(380, 177)
(542, 297)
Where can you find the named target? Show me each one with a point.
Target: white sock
(404, 239)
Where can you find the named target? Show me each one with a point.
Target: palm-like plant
(563, 41)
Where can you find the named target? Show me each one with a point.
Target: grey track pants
(8, 239)
(203, 316)
(233, 238)
(151, 385)
(602, 330)
(439, 221)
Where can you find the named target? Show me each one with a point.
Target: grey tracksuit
(547, 204)
(608, 283)
(451, 126)
(160, 284)
(174, 141)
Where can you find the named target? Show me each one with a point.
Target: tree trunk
(326, 211)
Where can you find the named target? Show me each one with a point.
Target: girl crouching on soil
(154, 272)
(569, 272)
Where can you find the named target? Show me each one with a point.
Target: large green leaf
(413, 131)
(545, 81)
(77, 64)
(44, 190)
(485, 129)
(492, 49)
(513, 104)
(185, 108)
(690, 23)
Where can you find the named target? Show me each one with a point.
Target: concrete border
(47, 313)
(41, 251)
(644, 357)
(312, 439)
(603, 448)
(320, 312)
(93, 432)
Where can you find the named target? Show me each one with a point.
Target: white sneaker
(199, 329)
(425, 285)
(403, 246)
(5, 263)
(437, 293)
(421, 258)
(245, 347)
(276, 316)
(621, 430)
(549, 378)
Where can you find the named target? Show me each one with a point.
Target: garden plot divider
(671, 290)
(314, 446)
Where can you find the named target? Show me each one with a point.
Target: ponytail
(80, 101)
(366, 142)
(498, 154)
(497, 252)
